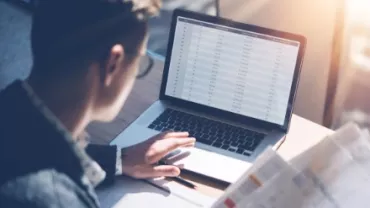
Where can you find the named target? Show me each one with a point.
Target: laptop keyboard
(209, 132)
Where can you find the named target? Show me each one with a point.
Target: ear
(113, 64)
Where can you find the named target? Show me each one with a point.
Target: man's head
(93, 46)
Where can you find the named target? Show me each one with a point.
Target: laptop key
(191, 133)
(217, 144)
(235, 144)
(249, 143)
(177, 128)
(246, 153)
(243, 134)
(226, 147)
(182, 129)
(241, 137)
(151, 126)
(225, 137)
(233, 147)
(213, 129)
(226, 142)
(254, 145)
(220, 132)
(209, 142)
(206, 136)
(216, 140)
(158, 128)
(207, 132)
(156, 122)
(240, 151)
(245, 147)
(231, 150)
(197, 135)
(215, 137)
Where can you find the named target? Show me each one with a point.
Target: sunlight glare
(358, 11)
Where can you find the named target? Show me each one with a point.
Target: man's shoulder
(46, 188)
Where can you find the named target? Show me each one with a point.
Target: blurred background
(335, 82)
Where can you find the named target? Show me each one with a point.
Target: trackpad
(208, 163)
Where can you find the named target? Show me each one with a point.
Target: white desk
(302, 135)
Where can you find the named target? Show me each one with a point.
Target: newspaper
(333, 174)
(358, 145)
(265, 167)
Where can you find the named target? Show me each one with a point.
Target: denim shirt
(41, 165)
(92, 171)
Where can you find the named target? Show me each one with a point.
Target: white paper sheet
(185, 193)
(357, 143)
(127, 192)
(289, 189)
(265, 167)
(336, 170)
(333, 174)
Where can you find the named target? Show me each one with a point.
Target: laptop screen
(239, 71)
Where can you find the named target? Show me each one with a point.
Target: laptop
(230, 85)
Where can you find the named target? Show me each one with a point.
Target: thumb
(165, 171)
(148, 171)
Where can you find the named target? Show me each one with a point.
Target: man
(85, 60)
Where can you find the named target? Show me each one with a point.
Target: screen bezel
(222, 113)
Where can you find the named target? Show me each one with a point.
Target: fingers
(189, 145)
(165, 170)
(163, 147)
(171, 134)
(172, 144)
(168, 135)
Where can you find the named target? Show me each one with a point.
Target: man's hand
(139, 161)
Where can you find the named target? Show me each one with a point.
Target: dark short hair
(78, 31)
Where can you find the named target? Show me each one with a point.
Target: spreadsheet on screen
(235, 70)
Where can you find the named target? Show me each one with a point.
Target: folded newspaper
(335, 173)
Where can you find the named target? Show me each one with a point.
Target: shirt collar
(92, 171)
